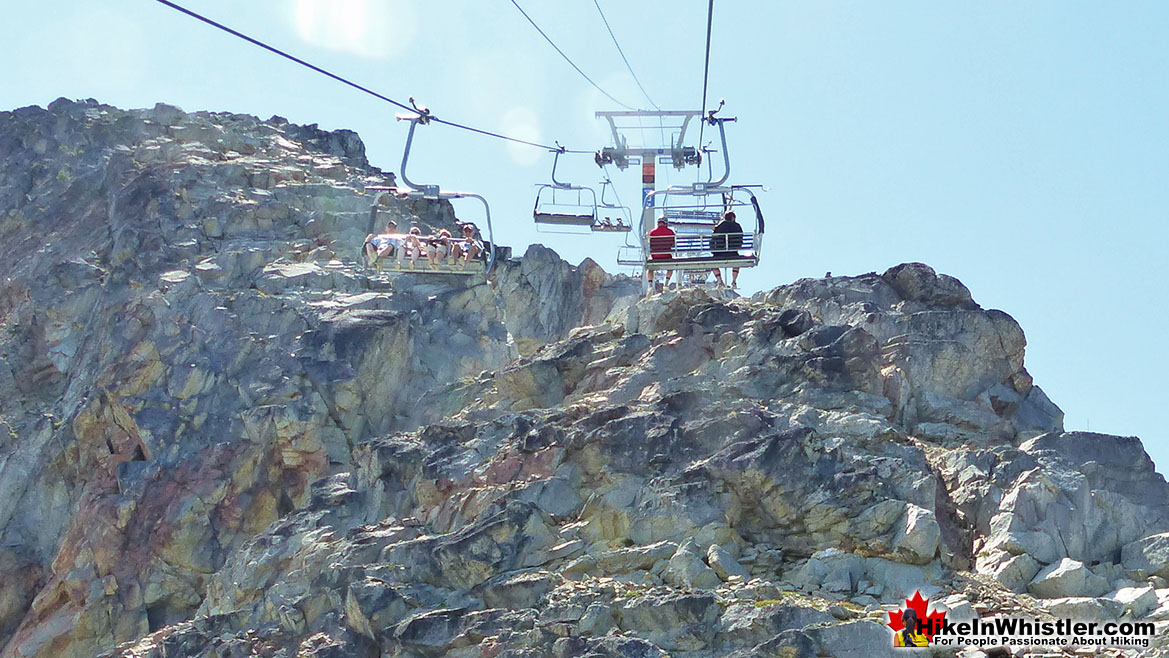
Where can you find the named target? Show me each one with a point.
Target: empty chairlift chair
(564, 206)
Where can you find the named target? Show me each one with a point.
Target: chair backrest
(727, 241)
(694, 245)
(661, 244)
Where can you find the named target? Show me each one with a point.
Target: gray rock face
(221, 435)
(1013, 572)
(1077, 495)
(686, 569)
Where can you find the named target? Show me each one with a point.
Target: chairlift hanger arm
(722, 134)
(429, 190)
(555, 161)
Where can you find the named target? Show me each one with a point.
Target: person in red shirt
(661, 244)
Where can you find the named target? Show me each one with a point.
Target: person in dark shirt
(725, 242)
(438, 247)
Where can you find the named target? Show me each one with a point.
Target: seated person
(383, 244)
(437, 248)
(661, 244)
(412, 246)
(725, 242)
(467, 248)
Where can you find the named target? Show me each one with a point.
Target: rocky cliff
(223, 436)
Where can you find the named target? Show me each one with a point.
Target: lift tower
(671, 126)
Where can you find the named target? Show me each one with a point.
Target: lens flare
(523, 123)
(366, 28)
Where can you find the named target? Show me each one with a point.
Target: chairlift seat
(477, 265)
(564, 219)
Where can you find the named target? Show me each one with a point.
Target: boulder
(1149, 555)
(686, 569)
(1082, 607)
(918, 536)
(919, 282)
(673, 622)
(724, 565)
(1013, 572)
(1066, 578)
(597, 620)
(1135, 601)
(371, 606)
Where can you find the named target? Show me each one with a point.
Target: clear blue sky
(1020, 146)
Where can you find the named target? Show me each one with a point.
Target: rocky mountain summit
(222, 435)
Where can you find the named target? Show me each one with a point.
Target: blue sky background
(1020, 146)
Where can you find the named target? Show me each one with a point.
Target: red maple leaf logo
(931, 621)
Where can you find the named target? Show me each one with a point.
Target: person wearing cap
(413, 246)
(383, 244)
(661, 244)
(438, 247)
(467, 248)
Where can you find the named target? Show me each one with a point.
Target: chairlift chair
(612, 217)
(696, 247)
(570, 205)
(692, 211)
(564, 205)
(486, 261)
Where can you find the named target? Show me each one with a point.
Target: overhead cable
(706, 68)
(570, 62)
(622, 53)
(488, 133)
(346, 81)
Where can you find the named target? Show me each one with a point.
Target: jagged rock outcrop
(189, 344)
(224, 436)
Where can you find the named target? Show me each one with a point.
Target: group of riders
(435, 249)
(725, 241)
